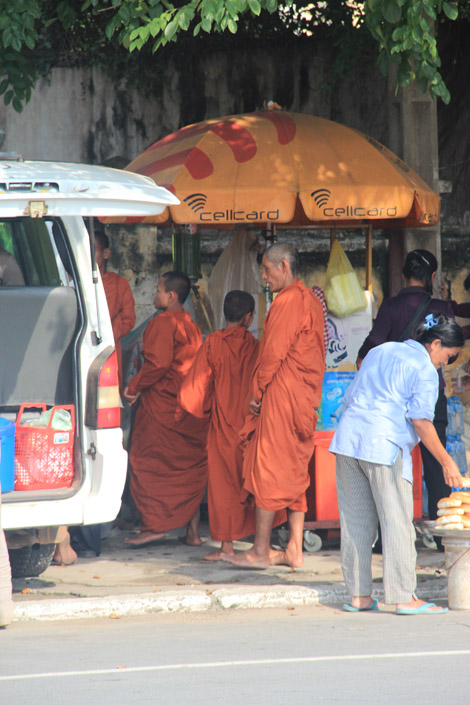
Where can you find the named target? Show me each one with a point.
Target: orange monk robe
(168, 454)
(121, 310)
(278, 444)
(219, 385)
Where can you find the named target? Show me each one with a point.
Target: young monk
(168, 455)
(118, 296)
(219, 385)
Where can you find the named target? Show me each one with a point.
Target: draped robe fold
(278, 444)
(168, 454)
(218, 386)
(121, 310)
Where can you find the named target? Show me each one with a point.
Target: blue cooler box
(7, 455)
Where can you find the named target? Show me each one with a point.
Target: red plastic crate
(43, 456)
(322, 501)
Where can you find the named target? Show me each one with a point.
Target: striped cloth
(318, 291)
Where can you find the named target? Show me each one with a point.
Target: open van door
(56, 342)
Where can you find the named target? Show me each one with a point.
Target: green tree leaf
(254, 6)
(450, 10)
(17, 105)
(391, 11)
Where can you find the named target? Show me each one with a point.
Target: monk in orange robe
(168, 456)
(118, 296)
(218, 386)
(286, 390)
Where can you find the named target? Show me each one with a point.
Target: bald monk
(286, 390)
(118, 296)
(219, 386)
(168, 456)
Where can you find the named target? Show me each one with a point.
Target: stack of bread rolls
(453, 512)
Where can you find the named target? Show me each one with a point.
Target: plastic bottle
(425, 499)
(450, 418)
(461, 455)
(450, 447)
(458, 416)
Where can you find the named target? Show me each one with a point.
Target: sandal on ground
(426, 608)
(374, 606)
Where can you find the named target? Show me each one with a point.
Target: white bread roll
(448, 519)
(449, 502)
(465, 521)
(463, 496)
(451, 510)
(465, 481)
(458, 525)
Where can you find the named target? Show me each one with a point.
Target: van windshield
(28, 255)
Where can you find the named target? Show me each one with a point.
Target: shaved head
(179, 283)
(277, 253)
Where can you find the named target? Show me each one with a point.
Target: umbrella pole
(197, 296)
(270, 234)
(369, 259)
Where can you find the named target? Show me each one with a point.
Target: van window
(29, 241)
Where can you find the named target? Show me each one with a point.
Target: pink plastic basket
(43, 456)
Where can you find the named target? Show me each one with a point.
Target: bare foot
(64, 553)
(365, 602)
(144, 538)
(287, 557)
(191, 540)
(218, 555)
(247, 559)
(277, 557)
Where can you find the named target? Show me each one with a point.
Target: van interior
(40, 323)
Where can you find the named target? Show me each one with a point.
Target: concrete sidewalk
(172, 577)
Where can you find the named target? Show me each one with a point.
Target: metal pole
(369, 259)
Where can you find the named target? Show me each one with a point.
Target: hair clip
(430, 321)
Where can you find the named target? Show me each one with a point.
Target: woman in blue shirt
(393, 318)
(388, 408)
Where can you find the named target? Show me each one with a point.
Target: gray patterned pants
(369, 493)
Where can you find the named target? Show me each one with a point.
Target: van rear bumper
(97, 500)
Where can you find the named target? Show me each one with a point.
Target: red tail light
(103, 404)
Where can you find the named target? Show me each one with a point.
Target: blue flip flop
(373, 606)
(422, 609)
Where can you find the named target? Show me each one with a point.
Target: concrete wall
(79, 115)
(82, 115)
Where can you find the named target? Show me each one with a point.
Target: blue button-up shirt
(396, 383)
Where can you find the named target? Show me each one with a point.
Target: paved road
(305, 656)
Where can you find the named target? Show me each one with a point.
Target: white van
(56, 341)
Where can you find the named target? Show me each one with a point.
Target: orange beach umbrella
(287, 169)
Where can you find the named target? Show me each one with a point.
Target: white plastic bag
(236, 268)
